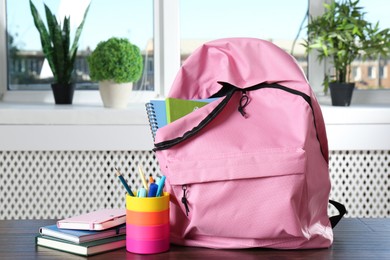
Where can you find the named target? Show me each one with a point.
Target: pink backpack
(251, 168)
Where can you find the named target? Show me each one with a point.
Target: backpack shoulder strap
(342, 211)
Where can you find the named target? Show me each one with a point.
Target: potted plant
(116, 63)
(60, 54)
(343, 35)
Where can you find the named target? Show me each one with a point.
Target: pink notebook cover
(96, 220)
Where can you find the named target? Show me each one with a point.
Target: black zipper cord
(169, 143)
(244, 101)
(228, 90)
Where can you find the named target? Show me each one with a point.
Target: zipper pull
(184, 199)
(244, 101)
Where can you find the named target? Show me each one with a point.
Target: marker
(142, 175)
(124, 182)
(160, 186)
(142, 193)
(151, 180)
(152, 190)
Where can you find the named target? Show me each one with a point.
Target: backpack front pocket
(246, 195)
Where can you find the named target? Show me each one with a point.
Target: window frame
(166, 42)
(166, 56)
(3, 50)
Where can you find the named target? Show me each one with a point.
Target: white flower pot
(115, 95)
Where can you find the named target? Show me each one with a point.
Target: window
(375, 13)
(372, 72)
(166, 31)
(383, 71)
(27, 68)
(356, 73)
(279, 21)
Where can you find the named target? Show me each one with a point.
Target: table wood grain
(353, 239)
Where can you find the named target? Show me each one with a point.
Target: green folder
(177, 108)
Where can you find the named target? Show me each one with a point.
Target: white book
(97, 220)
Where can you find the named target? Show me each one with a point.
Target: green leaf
(44, 34)
(56, 40)
(65, 45)
(78, 32)
(325, 50)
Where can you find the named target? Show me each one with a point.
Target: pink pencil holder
(147, 224)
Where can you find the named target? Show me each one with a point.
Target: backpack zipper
(184, 199)
(244, 101)
(169, 143)
(228, 90)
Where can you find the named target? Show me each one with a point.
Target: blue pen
(160, 186)
(124, 182)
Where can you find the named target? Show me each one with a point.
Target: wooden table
(354, 239)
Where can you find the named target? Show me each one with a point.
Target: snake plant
(56, 43)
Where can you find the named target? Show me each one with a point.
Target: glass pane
(131, 19)
(374, 72)
(279, 21)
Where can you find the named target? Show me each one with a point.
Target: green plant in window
(56, 43)
(115, 59)
(343, 34)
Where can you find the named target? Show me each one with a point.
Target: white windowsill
(45, 126)
(75, 114)
(80, 126)
(365, 125)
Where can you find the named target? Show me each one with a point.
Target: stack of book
(88, 234)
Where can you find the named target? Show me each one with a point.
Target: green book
(177, 108)
(85, 249)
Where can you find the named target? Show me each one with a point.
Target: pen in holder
(147, 224)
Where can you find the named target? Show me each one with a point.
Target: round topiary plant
(116, 59)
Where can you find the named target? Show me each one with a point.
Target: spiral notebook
(157, 115)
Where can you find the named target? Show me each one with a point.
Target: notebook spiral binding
(152, 118)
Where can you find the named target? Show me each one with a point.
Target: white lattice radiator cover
(361, 181)
(58, 184)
